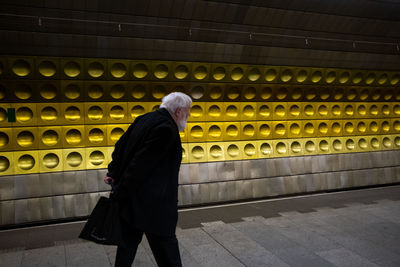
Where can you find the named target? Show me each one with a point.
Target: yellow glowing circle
(72, 91)
(196, 111)
(350, 144)
(386, 110)
(48, 114)
(215, 92)
(51, 160)
(364, 94)
(395, 79)
(249, 150)
(72, 69)
(4, 164)
(197, 92)
(237, 74)
(73, 137)
(265, 130)
(301, 76)
(181, 72)
(23, 92)
(387, 142)
(349, 110)
(24, 114)
(295, 129)
(116, 134)
(349, 127)
(309, 128)
(294, 110)
(296, 93)
(200, 73)
(96, 69)
(214, 111)
(233, 93)
(352, 94)
(295, 147)
(214, 131)
(219, 73)
(96, 136)
(95, 113)
(117, 91)
(316, 76)
(357, 78)
(196, 131)
(370, 78)
(396, 142)
(216, 151)
(323, 128)
(323, 145)
(161, 71)
(50, 138)
(96, 158)
(137, 111)
(47, 68)
(376, 95)
(183, 152)
(362, 110)
(254, 74)
(265, 111)
(250, 93)
(249, 111)
(74, 159)
(95, 91)
(117, 113)
(232, 111)
(197, 152)
(270, 75)
(282, 93)
(396, 126)
(249, 130)
(140, 71)
(336, 110)
(385, 126)
(48, 91)
(266, 93)
(26, 162)
(3, 115)
(118, 70)
(232, 131)
(4, 140)
(233, 151)
(362, 143)
(309, 110)
(311, 94)
(373, 110)
(21, 68)
(344, 77)
(373, 127)
(310, 146)
(362, 127)
(266, 149)
(159, 92)
(2, 92)
(383, 79)
(286, 75)
(388, 95)
(280, 111)
(324, 93)
(396, 109)
(138, 91)
(330, 77)
(336, 128)
(281, 148)
(338, 93)
(323, 110)
(337, 145)
(280, 129)
(375, 143)
(156, 107)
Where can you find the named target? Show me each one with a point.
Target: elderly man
(144, 169)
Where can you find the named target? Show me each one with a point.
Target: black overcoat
(145, 166)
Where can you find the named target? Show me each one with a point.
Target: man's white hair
(176, 100)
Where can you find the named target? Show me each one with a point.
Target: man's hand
(108, 180)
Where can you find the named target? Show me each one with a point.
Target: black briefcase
(104, 223)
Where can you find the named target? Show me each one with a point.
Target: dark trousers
(165, 250)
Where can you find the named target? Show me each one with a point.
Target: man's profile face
(182, 116)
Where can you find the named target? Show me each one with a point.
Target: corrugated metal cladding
(289, 97)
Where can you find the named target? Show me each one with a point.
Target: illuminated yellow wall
(70, 111)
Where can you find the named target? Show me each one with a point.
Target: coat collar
(164, 112)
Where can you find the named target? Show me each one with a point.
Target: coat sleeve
(155, 148)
